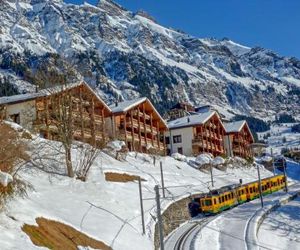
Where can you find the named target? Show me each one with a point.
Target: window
(207, 202)
(223, 199)
(15, 118)
(215, 201)
(177, 139)
(251, 190)
(167, 140)
(220, 200)
(179, 150)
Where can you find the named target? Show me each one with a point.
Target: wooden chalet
(238, 139)
(140, 125)
(195, 134)
(88, 113)
(179, 110)
(44, 110)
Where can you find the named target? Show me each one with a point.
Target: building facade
(74, 108)
(179, 110)
(139, 124)
(238, 139)
(196, 134)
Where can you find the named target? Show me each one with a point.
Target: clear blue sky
(273, 24)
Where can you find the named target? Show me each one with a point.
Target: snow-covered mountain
(127, 54)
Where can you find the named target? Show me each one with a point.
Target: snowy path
(229, 229)
(281, 228)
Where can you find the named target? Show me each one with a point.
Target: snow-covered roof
(18, 98)
(126, 105)
(191, 120)
(46, 92)
(40, 93)
(234, 126)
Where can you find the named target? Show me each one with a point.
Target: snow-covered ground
(280, 229)
(280, 136)
(228, 231)
(107, 211)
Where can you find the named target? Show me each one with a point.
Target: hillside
(125, 55)
(107, 211)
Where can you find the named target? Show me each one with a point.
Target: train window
(215, 201)
(220, 200)
(223, 199)
(251, 190)
(226, 197)
(208, 202)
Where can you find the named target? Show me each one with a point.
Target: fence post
(162, 180)
(259, 183)
(211, 176)
(159, 218)
(142, 206)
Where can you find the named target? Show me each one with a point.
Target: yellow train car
(227, 197)
(242, 194)
(219, 200)
(277, 182)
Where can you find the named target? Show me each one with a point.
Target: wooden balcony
(141, 114)
(143, 140)
(136, 125)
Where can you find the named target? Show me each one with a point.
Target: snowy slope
(280, 137)
(69, 201)
(280, 229)
(127, 55)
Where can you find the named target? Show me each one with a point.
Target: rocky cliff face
(125, 55)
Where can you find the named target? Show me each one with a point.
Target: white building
(195, 134)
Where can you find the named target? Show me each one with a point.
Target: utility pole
(142, 206)
(159, 218)
(211, 175)
(285, 175)
(162, 180)
(273, 165)
(259, 183)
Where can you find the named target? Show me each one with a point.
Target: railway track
(185, 240)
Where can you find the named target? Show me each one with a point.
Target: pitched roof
(18, 98)
(191, 120)
(46, 92)
(40, 93)
(126, 105)
(231, 127)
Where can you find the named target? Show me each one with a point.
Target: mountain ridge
(125, 55)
